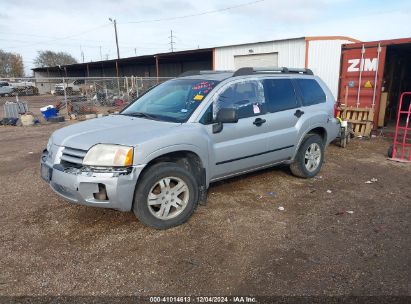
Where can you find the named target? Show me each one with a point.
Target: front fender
(202, 153)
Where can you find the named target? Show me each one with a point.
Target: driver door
(239, 146)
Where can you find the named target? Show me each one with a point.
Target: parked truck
(71, 88)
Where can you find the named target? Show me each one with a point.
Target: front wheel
(166, 196)
(309, 158)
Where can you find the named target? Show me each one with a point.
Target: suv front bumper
(80, 187)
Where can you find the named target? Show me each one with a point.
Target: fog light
(101, 195)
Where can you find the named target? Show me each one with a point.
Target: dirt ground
(239, 244)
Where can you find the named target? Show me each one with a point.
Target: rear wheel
(166, 196)
(309, 158)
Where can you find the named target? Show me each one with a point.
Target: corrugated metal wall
(324, 58)
(291, 53)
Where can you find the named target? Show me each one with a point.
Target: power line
(42, 36)
(140, 21)
(97, 46)
(195, 15)
(99, 42)
(61, 38)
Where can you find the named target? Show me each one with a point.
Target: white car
(6, 89)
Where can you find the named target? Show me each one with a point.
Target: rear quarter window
(311, 92)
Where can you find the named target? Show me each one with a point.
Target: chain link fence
(81, 95)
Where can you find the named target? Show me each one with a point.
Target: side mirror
(227, 115)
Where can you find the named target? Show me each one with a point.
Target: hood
(113, 129)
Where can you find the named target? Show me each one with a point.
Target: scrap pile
(17, 113)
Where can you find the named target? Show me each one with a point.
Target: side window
(279, 94)
(246, 96)
(311, 91)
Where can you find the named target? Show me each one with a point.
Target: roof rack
(204, 72)
(250, 71)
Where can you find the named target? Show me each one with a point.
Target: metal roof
(143, 58)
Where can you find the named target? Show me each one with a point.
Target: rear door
(314, 102)
(239, 146)
(284, 117)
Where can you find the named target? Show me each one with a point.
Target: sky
(82, 27)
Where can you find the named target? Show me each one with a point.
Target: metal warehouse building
(321, 54)
(156, 65)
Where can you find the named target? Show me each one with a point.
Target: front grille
(72, 156)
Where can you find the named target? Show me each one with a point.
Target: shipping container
(373, 75)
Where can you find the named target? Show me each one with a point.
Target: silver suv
(160, 154)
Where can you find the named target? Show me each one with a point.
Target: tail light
(335, 109)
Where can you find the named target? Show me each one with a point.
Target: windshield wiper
(141, 114)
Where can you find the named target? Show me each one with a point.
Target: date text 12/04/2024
(203, 299)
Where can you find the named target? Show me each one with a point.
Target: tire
(309, 168)
(343, 142)
(154, 215)
(390, 151)
(343, 139)
(348, 138)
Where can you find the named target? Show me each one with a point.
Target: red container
(362, 72)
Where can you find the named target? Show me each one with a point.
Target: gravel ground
(240, 243)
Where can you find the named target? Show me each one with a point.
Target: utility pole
(115, 33)
(101, 55)
(118, 51)
(171, 41)
(82, 53)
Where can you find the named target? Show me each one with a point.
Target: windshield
(174, 100)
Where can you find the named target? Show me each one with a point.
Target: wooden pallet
(360, 118)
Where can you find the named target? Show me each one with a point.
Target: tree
(50, 59)
(11, 65)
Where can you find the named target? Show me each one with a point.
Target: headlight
(109, 156)
(49, 143)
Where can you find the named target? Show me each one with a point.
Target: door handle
(259, 121)
(298, 113)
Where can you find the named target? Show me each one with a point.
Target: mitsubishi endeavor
(159, 155)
